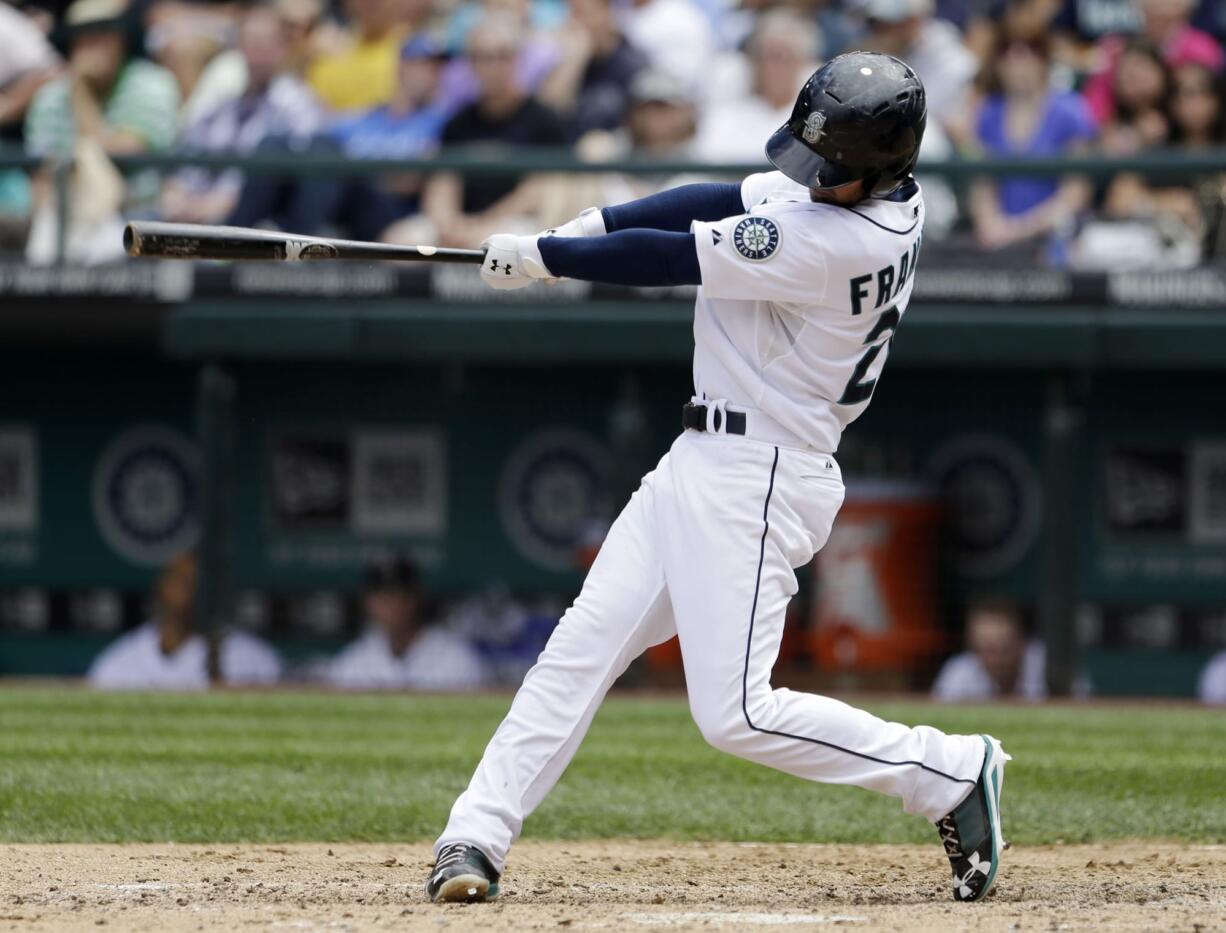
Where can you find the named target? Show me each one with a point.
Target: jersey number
(858, 388)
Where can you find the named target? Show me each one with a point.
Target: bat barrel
(149, 238)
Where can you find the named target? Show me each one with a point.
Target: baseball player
(803, 275)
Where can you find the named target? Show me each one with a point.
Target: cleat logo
(976, 867)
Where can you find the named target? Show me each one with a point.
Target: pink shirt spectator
(1187, 45)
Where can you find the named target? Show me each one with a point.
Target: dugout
(303, 418)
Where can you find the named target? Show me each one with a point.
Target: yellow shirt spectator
(361, 77)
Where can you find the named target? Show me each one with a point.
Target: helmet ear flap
(883, 184)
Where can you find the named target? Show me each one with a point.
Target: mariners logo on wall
(552, 488)
(814, 123)
(756, 238)
(994, 502)
(146, 494)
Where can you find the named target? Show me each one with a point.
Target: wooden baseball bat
(153, 239)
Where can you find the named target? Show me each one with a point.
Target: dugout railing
(481, 161)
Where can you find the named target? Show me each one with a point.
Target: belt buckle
(717, 415)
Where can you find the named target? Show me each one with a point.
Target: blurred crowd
(698, 81)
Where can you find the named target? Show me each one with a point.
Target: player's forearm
(627, 257)
(674, 210)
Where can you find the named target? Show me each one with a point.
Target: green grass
(77, 766)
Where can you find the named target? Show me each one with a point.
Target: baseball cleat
(971, 834)
(462, 874)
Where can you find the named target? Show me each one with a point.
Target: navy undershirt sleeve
(628, 257)
(676, 208)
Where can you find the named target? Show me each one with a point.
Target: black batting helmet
(860, 116)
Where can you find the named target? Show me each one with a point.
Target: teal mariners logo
(756, 238)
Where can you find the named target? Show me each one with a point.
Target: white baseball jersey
(135, 661)
(437, 660)
(799, 301)
(1212, 686)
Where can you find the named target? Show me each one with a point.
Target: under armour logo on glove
(511, 262)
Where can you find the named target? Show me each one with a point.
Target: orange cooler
(876, 607)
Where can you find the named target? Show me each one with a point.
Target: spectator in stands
(539, 47)
(1023, 115)
(183, 36)
(675, 36)
(108, 103)
(410, 124)
(1168, 24)
(1198, 122)
(538, 17)
(1140, 91)
(225, 76)
(399, 650)
(1165, 25)
(907, 29)
(363, 74)
(303, 21)
(275, 104)
(998, 663)
(1170, 223)
(661, 123)
(1029, 19)
(168, 653)
(978, 20)
(408, 127)
(127, 104)
(590, 86)
(782, 53)
(464, 212)
(1197, 107)
(27, 62)
(1212, 686)
(1193, 119)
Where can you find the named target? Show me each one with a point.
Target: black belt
(694, 417)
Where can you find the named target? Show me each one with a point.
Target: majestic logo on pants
(756, 238)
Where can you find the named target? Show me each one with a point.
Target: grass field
(278, 767)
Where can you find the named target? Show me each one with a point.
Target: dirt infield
(607, 885)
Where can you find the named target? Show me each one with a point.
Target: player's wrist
(589, 223)
(531, 262)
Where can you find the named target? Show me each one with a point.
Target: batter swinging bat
(153, 239)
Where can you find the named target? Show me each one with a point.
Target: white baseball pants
(705, 549)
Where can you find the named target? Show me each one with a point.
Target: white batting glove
(589, 223)
(512, 262)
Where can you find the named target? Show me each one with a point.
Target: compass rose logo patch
(756, 238)
(814, 124)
